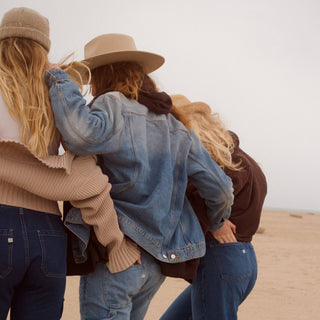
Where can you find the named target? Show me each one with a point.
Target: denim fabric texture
(226, 276)
(148, 159)
(81, 231)
(120, 296)
(32, 264)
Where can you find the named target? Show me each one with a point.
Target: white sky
(256, 62)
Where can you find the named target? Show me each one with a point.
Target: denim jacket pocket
(6, 248)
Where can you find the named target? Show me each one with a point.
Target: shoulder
(176, 125)
(113, 97)
(115, 100)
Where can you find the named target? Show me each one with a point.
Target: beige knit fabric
(38, 184)
(26, 23)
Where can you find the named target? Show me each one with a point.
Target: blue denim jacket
(148, 159)
(80, 234)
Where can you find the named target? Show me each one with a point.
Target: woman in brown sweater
(224, 277)
(33, 178)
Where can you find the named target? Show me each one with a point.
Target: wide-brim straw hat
(182, 102)
(115, 47)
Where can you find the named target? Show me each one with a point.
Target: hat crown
(25, 23)
(115, 47)
(179, 100)
(25, 17)
(108, 43)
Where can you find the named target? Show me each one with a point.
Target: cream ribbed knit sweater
(34, 183)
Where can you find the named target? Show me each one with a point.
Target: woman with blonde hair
(33, 178)
(223, 278)
(148, 156)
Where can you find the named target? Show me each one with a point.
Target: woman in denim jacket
(148, 156)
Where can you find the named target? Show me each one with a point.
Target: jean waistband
(214, 242)
(22, 210)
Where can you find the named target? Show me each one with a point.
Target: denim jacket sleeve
(212, 183)
(84, 131)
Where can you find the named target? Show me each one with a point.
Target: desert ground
(287, 246)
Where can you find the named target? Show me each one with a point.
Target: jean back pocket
(233, 261)
(54, 250)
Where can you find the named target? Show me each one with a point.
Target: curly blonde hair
(209, 128)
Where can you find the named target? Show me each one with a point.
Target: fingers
(226, 238)
(231, 225)
(53, 66)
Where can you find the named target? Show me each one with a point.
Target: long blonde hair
(23, 87)
(211, 132)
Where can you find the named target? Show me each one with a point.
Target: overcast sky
(255, 62)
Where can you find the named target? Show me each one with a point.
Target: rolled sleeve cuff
(124, 256)
(53, 75)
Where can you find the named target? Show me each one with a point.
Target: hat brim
(196, 107)
(149, 61)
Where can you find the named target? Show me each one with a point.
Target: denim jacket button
(164, 256)
(173, 256)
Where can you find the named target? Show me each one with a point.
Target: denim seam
(135, 174)
(25, 236)
(173, 200)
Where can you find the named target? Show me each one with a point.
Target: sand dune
(288, 285)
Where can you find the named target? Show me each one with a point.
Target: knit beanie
(25, 23)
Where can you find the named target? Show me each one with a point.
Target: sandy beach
(288, 286)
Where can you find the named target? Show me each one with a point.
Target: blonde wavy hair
(210, 130)
(125, 77)
(23, 63)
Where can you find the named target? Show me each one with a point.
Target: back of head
(24, 47)
(117, 64)
(126, 77)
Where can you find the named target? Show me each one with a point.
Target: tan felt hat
(115, 47)
(180, 101)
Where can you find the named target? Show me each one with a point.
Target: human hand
(139, 260)
(226, 233)
(53, 66)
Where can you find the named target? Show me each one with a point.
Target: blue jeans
(226, 275)
(32, 264)
(122, 296)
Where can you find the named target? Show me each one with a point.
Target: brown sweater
(30, 182)
(250, 189)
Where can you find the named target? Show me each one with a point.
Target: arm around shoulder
(84, 132)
